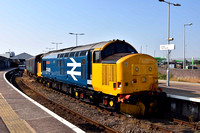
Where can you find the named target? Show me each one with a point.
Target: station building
(9, 59)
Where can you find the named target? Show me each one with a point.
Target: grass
(163, 76)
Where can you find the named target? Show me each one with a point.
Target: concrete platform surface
(20, 115)
(182, 90)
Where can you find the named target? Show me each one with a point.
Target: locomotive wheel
(44, 82)
(76, 95)
(71, 91)
(112, 104)
(49, 84)
(94, 100)
(40, 80)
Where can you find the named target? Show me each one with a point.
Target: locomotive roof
(84, 47)
(80, 48)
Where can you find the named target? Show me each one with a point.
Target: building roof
(21, 56)
(3, 58)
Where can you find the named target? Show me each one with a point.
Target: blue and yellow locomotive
(110, 73)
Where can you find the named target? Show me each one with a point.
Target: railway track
(130, 124)
(78, 116)
(193, 125)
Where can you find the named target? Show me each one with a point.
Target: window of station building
(66, 55)
(96, 57)
(44, 65)
(83, 53)
(77, 54)
(72, 54)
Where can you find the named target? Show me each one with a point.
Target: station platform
(20, 114)
(182, 90)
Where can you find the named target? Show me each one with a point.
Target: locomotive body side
(66, 68)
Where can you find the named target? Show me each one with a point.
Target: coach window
(44, 65)
(96, 57)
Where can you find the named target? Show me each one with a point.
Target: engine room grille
(109, 73)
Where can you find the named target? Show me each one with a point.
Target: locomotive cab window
(96, 57)
(115, 48)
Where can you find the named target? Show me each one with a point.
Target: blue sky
(31, 26)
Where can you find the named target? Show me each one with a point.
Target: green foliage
(162, 76)
(171, 76)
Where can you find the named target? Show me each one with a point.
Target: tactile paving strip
(12, 120)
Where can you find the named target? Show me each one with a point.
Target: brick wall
(183, 74)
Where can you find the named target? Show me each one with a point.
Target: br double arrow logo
(74, 64)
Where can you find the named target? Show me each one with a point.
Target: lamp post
(77, 36)
(56, 44)
(168, 39)
(184, 45)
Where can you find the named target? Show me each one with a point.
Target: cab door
(97, 70)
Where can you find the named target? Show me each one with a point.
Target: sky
(32, 25)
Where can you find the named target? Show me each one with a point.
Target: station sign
(167, 47)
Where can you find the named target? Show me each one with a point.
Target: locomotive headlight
(150, 68)
(136, 69)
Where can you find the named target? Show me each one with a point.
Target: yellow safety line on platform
(12, 120)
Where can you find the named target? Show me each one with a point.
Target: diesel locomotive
(110, 73)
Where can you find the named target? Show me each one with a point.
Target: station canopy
(22, 56)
